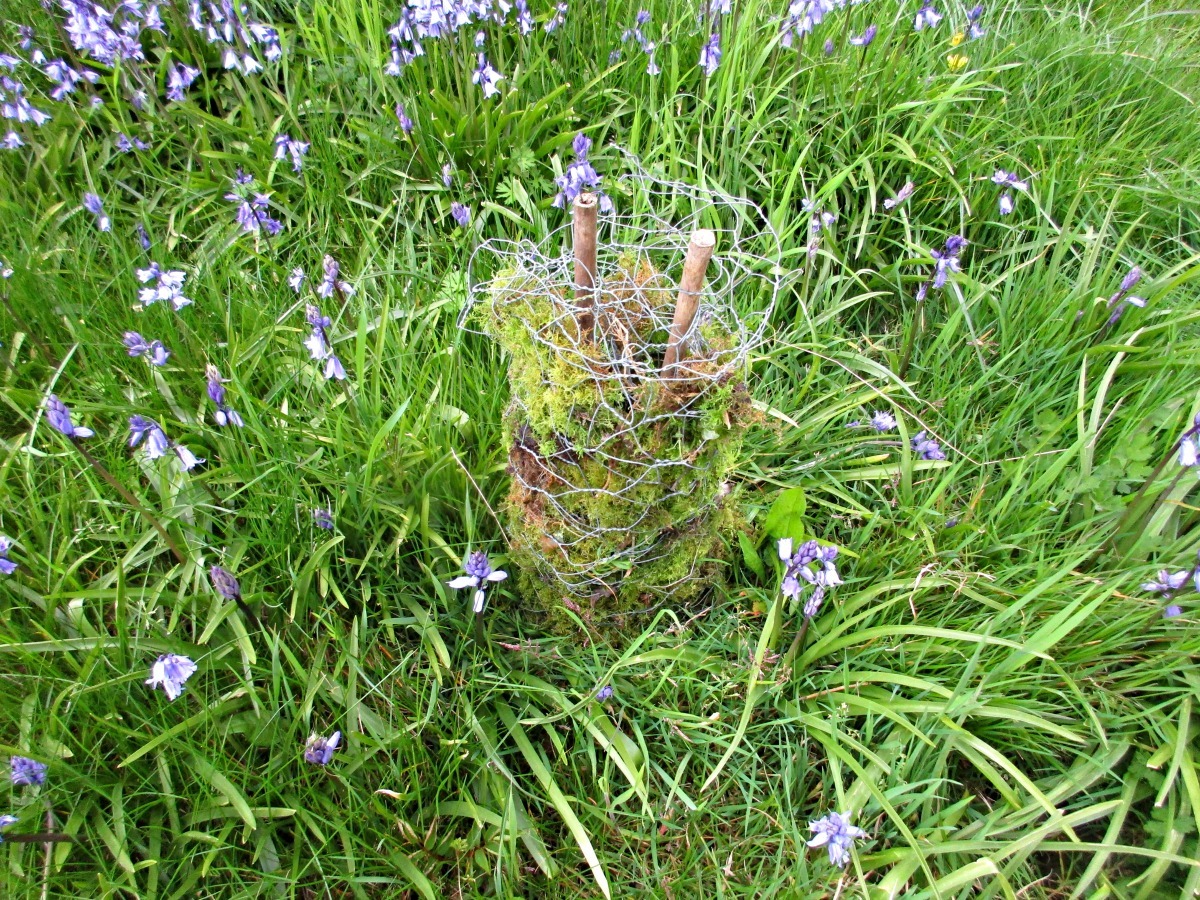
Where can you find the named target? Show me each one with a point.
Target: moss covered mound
(619, 492)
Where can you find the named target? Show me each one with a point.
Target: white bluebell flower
(166, 285)
(170, 671)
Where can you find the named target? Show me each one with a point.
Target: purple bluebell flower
(332, 281)
(798, 576)
(179, 79)
(926, 447)
(1010, 179)
(7, 821)
(946, 261)
(922, 291)
(903, 194)
(479, 575)
(166, 285)
(170, 671)
(1122, 298)
(285, 147)
(143, 237)
(7, 566)
(975, 30)
(829, 47)
(579, 177)
(216, 393)
(927, 16)
(461, 213)
(1189, 452)
(883, 421)
(560, 16)
(11, 141)
(836, 834)
(318, 344)
(486, 77)
(604, 693)
(16, 106)
(252, 206)
(1172, 610)
(448, 176)
(26, 771)
(154, 351)
(156, 445)
(864, 39)
(93, 204)
(319, 750)
(1168, 583)
(59, 417)
(224, 583)
(710, 54)
(323, 517)
(406, 124)
(10, 62)
(1006, 203)
(296, 279)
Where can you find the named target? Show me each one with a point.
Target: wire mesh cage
(628, 336)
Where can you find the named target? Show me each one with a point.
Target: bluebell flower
(166, 285)
(141, 428)
(59, 417)
(864, 39)
(93, 204)
(323, 518)
(318, 343)
(15, 105)
(7, 821)
(332, 280)
(143, 237)
(1119, 300)
(11, 141)
(1168, 583)
(922, 291)
(7, 566)
(170, 671)
(926, 447)
(524, 17)
(903, 194)
(829, 47)
(179, 79)
(604, 693)
(285, 147)
(26, 771)
(883, 421)
(224, 583)
(946, 260)
(975, 30)
(1006, 203)
(486, 77)
(710, 54)
(406, 124)
(580, 177)
(479, 575)
(154, 351)
(798, 575)
(1172, 610)
(461, 213)
(560, 16)
(296, 279)
(1189, 453)
(927, 16)
(216, 392)
(448, 176)
(252, 207)
(10, 62)
(319, 750)
(836, 834)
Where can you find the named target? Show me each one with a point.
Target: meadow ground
(992, 694)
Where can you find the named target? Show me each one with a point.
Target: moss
(616, 502)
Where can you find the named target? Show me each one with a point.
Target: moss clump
(619, 487)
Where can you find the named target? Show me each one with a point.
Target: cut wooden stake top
(584, 238)
(699, 252)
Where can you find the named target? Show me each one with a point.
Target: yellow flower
(957, 62)
(958, 38)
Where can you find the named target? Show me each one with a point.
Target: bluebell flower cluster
(486, 76)
(636, 34)
(927, 16)
(837, 835)
(180, 77)
(15, 106)
(318, 344)
(798, 574)
(319, 750)
(580, 177)
(162, 285)
(297, 150)
(170, 672)
(224, 583)
(1008, 180)
(26, 772)
(974, 29)
(154, 351)
(604, 693)
(59, 417)
(332, 282)
(65, 78)
(323, 517)
(818, 220)
(110, 36)
(7, 566)
(252, 206)
(406, 124)
(710, 54)
(156, 443)
(216, 393)
(231, 29)
(461, 214)
(479, 574)
(559, 17)
(945, 263)
(125, 144)
(422, 20)
(926, 447)
(802, 16)
(1168, 584)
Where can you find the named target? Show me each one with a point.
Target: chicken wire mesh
(619, 460)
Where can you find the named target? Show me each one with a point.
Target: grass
(990, 692)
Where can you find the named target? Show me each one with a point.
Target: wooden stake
(699, 252)
(584, 237)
